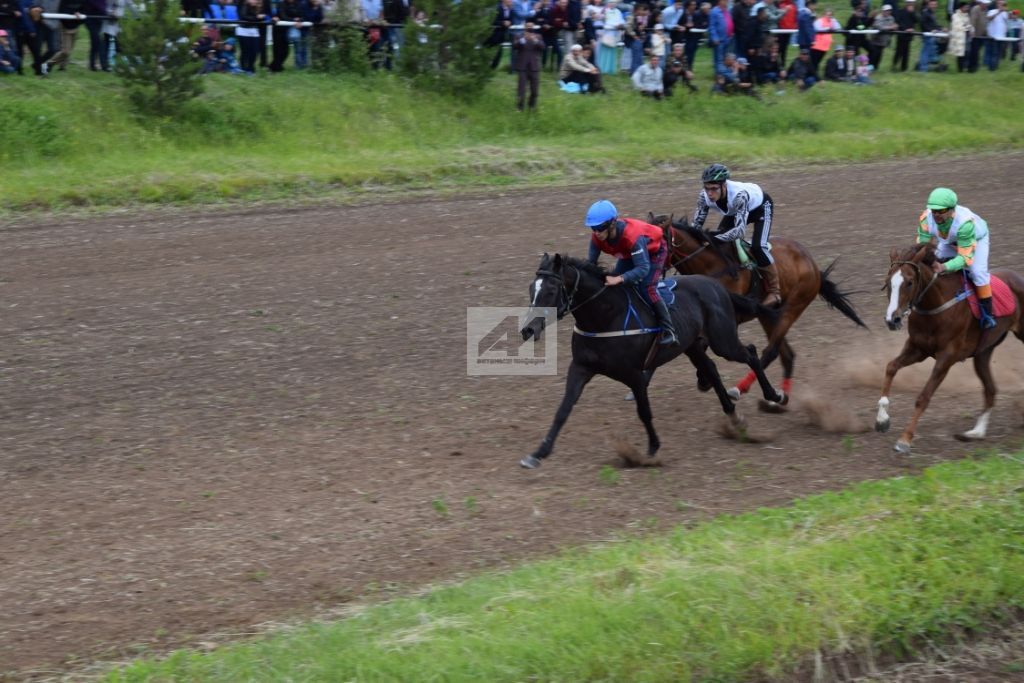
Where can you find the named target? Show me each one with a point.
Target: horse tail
(752, 308)
(836, 298)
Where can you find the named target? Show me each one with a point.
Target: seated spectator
(839, 67)
(9, 61)
(802, 71)
(772, 70)
(227, 58)
(744, 79)
(577, 69)
(726, 75)
(677, 70)
(862, 75)
(649, 79)
(205, 47)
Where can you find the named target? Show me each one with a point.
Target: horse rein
(569, 296)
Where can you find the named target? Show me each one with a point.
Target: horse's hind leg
(643, 411)
(942, 365)
(983, 368)
(576, 378)
(777, 347)
(706, 369)
(727, 344)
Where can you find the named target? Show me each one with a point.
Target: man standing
(997, 29)
(906, 22)
(526, 53)
(929, 24)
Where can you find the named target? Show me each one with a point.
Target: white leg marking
(883, 414)
(894, 295)
(980, 427)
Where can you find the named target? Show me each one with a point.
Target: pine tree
(156, 63)
(446, 55)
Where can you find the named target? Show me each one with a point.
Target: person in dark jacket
(906, 22)
(526, 60)
(805, 25)
(500, 30)
(96, 10)
(802, 71)
(929, 24)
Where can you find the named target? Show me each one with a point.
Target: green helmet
(715, 173)
(942, 198)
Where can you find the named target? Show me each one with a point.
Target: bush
(448, 58)
(342, 45)
(157, 65)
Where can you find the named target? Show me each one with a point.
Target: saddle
(1003, 301)
(745, 260)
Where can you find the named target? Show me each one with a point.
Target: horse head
(910, 274)
(545, 293)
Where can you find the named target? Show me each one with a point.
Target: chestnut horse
(800, 282)
(941, 327)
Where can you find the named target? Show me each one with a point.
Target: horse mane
(586, 266)
(910, 253)
(701, 237)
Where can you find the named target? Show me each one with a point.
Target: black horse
(605, 342)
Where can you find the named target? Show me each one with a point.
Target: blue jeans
(992, 54)
(927, 53)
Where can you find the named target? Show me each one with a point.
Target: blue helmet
(600, 213)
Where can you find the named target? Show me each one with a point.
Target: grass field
(71, 141)
(878, 570)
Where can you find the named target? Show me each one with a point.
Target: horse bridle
(913, 304)
(565, 296)
(672, 243)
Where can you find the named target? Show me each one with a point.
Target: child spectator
(862, 76)
(9, 61)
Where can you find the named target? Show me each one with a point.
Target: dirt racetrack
(213, 420)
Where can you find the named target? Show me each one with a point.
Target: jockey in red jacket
(641, 250)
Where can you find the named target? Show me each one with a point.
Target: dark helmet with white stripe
(715, 173)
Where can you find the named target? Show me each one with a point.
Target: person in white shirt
(998, 18)
(649, 79)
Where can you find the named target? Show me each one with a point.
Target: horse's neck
(942, 290)
(703, 263)
(599, 310)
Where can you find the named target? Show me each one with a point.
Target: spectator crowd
(749, 43)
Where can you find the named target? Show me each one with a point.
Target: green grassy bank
(877, 568)
(71, 141)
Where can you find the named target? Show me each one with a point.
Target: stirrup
(668, 337)
(988, 322)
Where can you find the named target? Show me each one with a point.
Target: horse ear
(651, 218)
(558, 262)
(894, 255)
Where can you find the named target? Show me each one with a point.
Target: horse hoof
(771, 407)
(967, 436)
(882, 426)
(902, 447)
(783, 398)
(733, 393)
(629, 397)
(529, 463)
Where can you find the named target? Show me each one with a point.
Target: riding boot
(988, 321)
(770, 278)
(668, 330)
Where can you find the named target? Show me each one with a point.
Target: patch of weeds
(608, 475)
(440, 507)
(257, 313)
(257, 576)
(471, 505)
(848, 443)
(682, 506)
(209, 494)
(273, 328)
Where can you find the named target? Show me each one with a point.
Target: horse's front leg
(575, 380)
(908, 356)
(643, 410)
(942, 365)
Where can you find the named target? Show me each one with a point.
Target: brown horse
(942, 328)
(693, 252)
